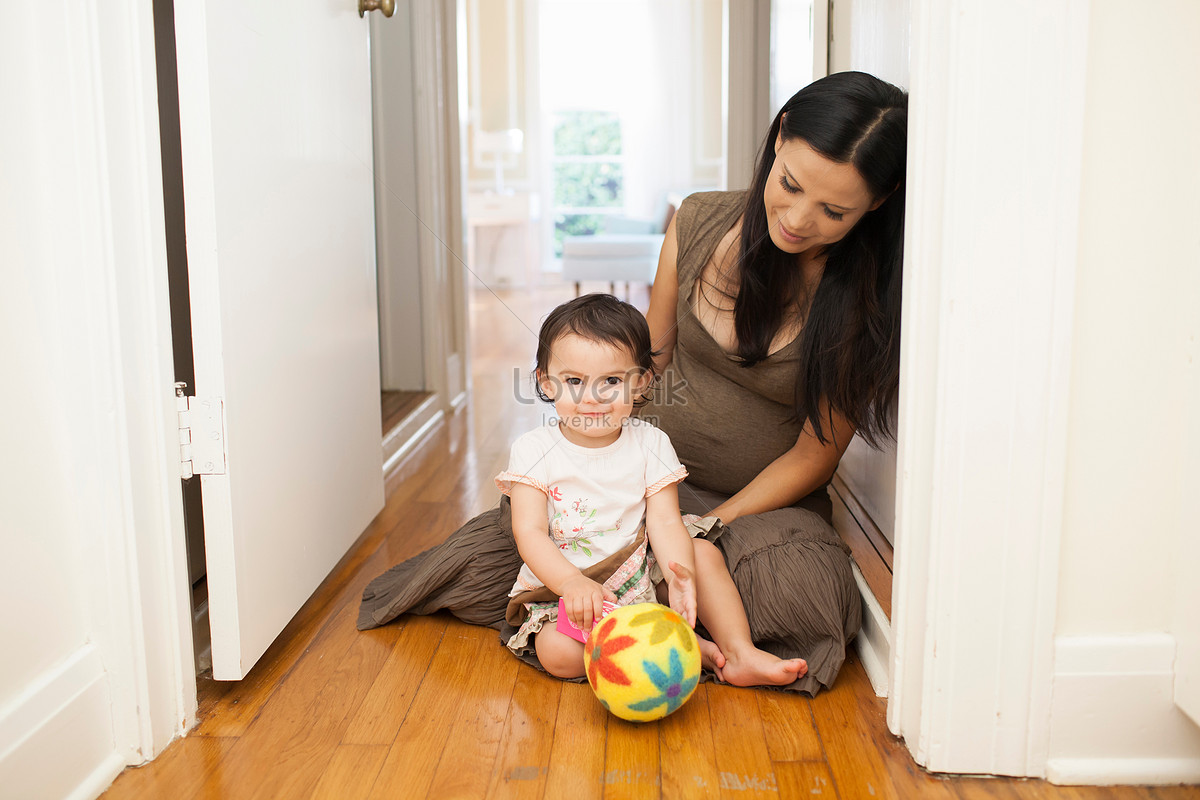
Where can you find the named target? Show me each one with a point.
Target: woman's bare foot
(754, 667)
(711, 657)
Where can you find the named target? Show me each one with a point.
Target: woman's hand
(584, 599)
(681, 590)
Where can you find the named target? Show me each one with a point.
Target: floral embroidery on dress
(569, 528)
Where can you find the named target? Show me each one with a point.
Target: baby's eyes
(612, 380)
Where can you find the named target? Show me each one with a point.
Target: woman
(777, 313)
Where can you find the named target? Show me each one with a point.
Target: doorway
(575, 135)
(418, 230)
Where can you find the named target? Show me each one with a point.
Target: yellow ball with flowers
(643, 661)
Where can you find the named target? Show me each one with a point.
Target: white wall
(88, 524)
(1137, 316)
(872, 36)
(397, 230)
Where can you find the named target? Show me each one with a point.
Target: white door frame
(142, 594)
(148, 645)
(995, 149)
(436, 29)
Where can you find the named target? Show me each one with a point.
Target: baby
(595, 507)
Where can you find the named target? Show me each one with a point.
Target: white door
(275, 113)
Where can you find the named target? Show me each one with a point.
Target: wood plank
(469, 758)
(227, 708)
(872, 566)
(420, 743)
(631, 761)
(1172, 792)
(523, 761)
(905, 774)
(810, 779)
(743, 761)
(788, 725)
(180, 772)
(687, 755)
(577, 755)
(380, 715)
(303, 723)
(351, 772)
(844, 717)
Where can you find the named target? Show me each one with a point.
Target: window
(588, 172)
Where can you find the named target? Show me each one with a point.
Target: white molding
(150, 652)
(1113, 719)
(455, 87)
(68, 704)
(404, 438)
(996, 120)
(874, 640)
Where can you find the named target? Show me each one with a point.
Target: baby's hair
(599, 318)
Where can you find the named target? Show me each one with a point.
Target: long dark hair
(850, 339)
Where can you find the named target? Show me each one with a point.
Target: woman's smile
(789, 237)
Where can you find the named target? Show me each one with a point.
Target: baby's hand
(681, 589)
(584, 600)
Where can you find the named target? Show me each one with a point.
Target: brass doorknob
(388, 7)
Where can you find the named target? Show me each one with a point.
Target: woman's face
(812, 201)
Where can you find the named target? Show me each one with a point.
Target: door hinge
(201, 434)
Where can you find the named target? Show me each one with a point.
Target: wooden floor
(396, 405)
(430, 707)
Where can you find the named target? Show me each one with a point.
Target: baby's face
(593, 385)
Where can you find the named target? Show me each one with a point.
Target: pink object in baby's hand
(565, 625)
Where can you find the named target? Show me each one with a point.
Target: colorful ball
(642, 661)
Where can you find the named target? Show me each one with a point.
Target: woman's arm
(583, 596)
(671, 545)
(664, 296)
(806, 466)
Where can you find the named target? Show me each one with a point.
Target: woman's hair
(850, 339)
(599, 318)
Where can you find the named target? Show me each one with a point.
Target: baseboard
(56, 737)
(1113, 718)
(1123, 771)
(399, 442)
(874, 640)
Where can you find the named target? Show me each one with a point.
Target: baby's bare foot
(711, 657)
(760, 668)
